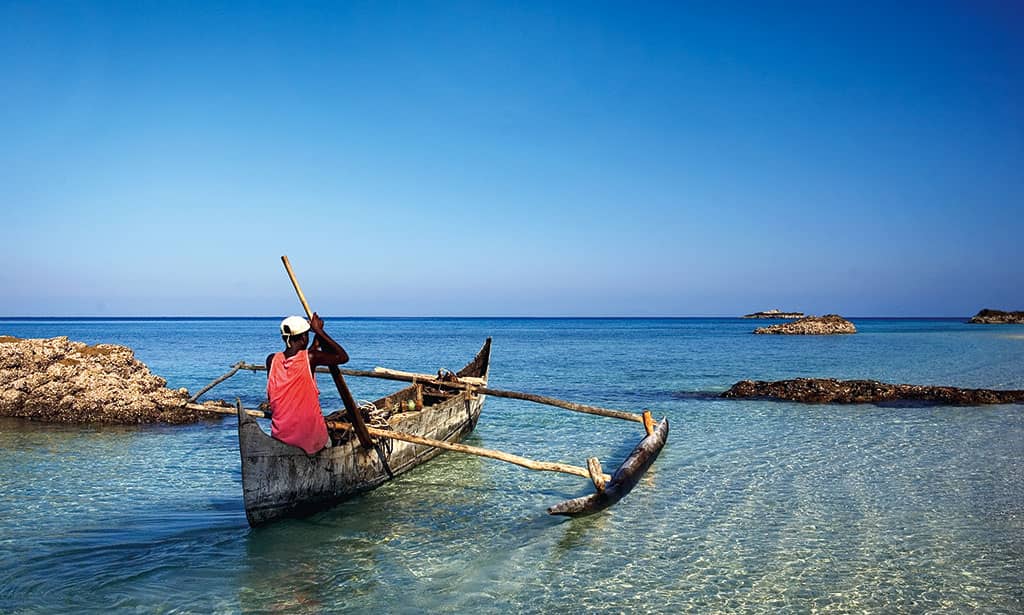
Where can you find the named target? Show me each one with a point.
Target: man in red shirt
(296, 417)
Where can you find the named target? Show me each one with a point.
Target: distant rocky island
(829, 324)
(832, 391)
(775, 314)
(997, 317)
(63, 381)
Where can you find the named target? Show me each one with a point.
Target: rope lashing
(377, 418)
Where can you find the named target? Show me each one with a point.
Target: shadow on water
(579, 532)
(697, 395)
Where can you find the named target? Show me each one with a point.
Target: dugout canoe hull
(280, 480)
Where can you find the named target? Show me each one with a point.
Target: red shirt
(295, 403)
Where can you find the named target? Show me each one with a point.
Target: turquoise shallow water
(753, 506)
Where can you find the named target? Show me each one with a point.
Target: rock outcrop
(831, 391)
(830, 324)
(775, 314)
(63, 381)
(997, 317)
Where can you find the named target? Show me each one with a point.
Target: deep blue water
(753, 506)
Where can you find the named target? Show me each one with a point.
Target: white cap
(294, 325)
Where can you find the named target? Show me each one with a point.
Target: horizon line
(447, 317)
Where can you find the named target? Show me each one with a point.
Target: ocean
(753, 506)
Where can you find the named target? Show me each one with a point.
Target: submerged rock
(832, 391)
(830, 324)
(775, 314)
(64, 381)
(997, 317)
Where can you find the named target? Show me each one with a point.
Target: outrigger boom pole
(388, 374)
(484, 452)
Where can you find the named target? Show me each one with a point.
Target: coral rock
(997, 317)
(65, 381)
(830, 324)
(831, 391)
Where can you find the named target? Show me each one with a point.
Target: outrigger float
(398, 432)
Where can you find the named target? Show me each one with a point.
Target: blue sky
(512, 159)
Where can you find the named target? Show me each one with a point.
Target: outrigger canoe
(419, 422)
(280, 480)
(423, 420)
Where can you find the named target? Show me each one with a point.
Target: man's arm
(324, 351)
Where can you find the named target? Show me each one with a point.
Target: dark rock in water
(997, 317)
(832, 391)
(830, 324)
(775, 314)
(63, 381)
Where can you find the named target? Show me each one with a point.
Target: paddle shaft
(298, 289)
(339, 381)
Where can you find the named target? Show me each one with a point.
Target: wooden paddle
(354, 415)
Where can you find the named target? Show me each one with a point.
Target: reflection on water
(752, 506)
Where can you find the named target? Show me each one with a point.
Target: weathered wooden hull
(624, 479)
(280, 480)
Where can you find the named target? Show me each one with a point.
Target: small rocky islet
(997, 317)
(829, 324)
(832, 391)
(62, 381)
(775, 314)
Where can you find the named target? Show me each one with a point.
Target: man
(296, 417)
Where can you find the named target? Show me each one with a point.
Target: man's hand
(326, 351)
